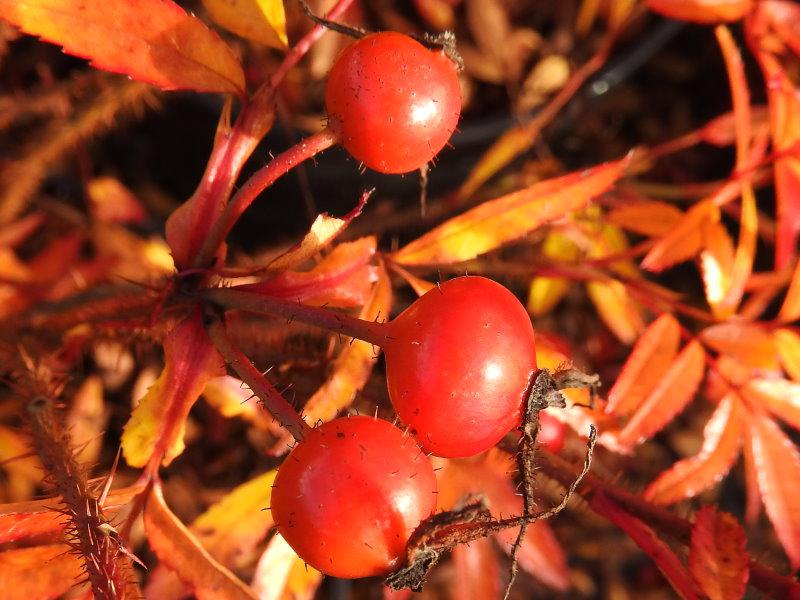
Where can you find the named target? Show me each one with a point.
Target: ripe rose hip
(394, 102)
(348, 496)
(458, 365)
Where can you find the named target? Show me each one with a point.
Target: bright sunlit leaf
(154, 41)
(282, 575)
(262, 21)
(497, 222)
(788, 343)
(546, 292)
(722, 439)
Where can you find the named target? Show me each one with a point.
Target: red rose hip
(458, 365)
(348, 496)
(394, 102)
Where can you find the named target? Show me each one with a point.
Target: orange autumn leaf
(156, 426)
(176, 547)
(649, 360)
(718, 559)
(749, 343)
(477, 571)
(787, 342)
(778, 396)
(154, 41)
(497, 222)
(40, 572)
(652, 218)
(722, 439)
(716, 265)
(702, 11)
(675, 390)
(721, 131)
(777, 466)
(112, 202)
(232, 398)
(87, 419)
(683, 241)
(790, 309)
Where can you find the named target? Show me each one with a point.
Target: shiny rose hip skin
(458, 365)
(393, 102)
(348, 496)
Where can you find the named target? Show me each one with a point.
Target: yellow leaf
(232, 398)
(497, 222)
(323, 231)
(87, 418)
(20, 475)
(790, 310)
(282, 575)
(262, 21)
(546, 292)
(158, 423)
(618, 310)
(788, 344)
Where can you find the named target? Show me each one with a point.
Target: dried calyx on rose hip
(349, 495)
(393, 102)
(458, 365)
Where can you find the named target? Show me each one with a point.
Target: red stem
(272, 399)
(369, 331)
(262, 179)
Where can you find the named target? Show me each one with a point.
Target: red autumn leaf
(718, 559)
(502, 220)
(176, 547)
(651, 357)
(702, 11)
(777, 465)
(477, 572)
(676, 388)
(40, 572)
(684, 239)
(344, 278)
(666, 560)
(749, 343)
(721, 131)
(157, 424)
(154, 41)
(722, 439)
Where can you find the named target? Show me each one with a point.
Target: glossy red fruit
(348, 496)
(393, 101)
(458, 365)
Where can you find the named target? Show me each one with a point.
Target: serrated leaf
(718, 559)
(262, 21)
(788, 343)
(282, 575)
(749, 343)
(156, 426)
(778, 396)
(652, 218)
(39, 572)
(647, 363)
(777, 465)
(154, 41)
(502, 220)
(702, 11)
(661, 554)
(176, 547)
(675, 390)
(722, 439)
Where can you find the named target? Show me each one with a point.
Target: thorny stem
(261, 180)
(272, 400)
(103, 552)
(374, 332)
